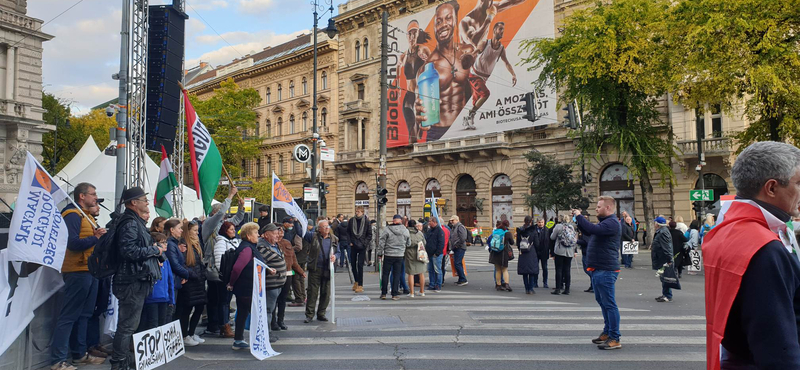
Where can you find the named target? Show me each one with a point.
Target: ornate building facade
(483, 176)
(21, 124)
(283, 77)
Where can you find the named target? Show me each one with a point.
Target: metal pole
(315, 135)
(122, 114)
(55, 148)
(700, 164)
(384, 111)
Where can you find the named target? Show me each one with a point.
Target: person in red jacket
(752, 266)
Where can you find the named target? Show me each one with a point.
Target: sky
(79, 61)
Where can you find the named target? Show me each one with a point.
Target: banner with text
(281, 198)
(454, 70)
(23, 288)
(158, 346)
(38, 233)
(259, 320)
(630, 247)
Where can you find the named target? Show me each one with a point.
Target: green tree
(553, 185)
(229, 117)
(610, 57)
(744, 51)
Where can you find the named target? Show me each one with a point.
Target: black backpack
(103, 260)
(226, 265)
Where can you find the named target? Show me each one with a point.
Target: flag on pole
(38, 233)
(167, 183)
(281, 198)
(205, 159)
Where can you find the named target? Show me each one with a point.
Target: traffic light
(696, 207)
(380, 196)
(323, 189)
(570, 118)
(530, 107)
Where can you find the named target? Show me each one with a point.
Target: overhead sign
(301, 153)
(327, 154)
(701, 195)
(490, 71)
(311, 194)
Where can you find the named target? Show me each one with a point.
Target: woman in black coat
(500, 259)
(678, 242)
(528, 263)
(192, 295)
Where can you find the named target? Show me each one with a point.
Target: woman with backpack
(566, 241)
(226, 239)
(528, 264)
(192, 296)
(500, 253)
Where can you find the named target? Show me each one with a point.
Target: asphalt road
(477, 327)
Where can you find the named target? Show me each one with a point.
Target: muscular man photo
(412, 61)
(475, 25)
(489, 52)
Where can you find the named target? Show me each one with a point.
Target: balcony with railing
(717, 146)
(486, 145)
(354, 108)
(358, 159)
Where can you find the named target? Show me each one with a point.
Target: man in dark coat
(528, 264)
(359, 233)
(662, 253)
(540, 238)
(343, 233)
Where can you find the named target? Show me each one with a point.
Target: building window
(360, 88)
(269, 95)
(324, 80)
(362, 196)
(269, 128)
(358, 50)
(324, 117)
(305, 86)
(269, 166)
(280, 126)
(502, 199)
(305, 121)
(363, 136)
(466, 191)
(716, 120)
(617, 182)
(291, 124)
(291, 89)
(259, 174)
(280, 92)
(366, 49)
(404, 199)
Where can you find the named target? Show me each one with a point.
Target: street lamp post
(331, 31)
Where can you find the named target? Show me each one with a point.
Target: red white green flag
(165, 189)
(205, 160)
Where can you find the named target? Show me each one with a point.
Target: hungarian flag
(167, 183)
(205, 159)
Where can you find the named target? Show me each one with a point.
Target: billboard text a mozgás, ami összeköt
(454, 70)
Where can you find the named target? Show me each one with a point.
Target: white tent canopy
(92, 166)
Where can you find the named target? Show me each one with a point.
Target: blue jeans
(527, 280)
(458, 264)
(666, 292)
(272, 301)
(603, 283)
(435, 271)
(80, 297)
(627, 260)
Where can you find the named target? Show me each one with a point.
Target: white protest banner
(148, 348)
(173, 341)
(259, 320)
(697, 260)
(110, 316)
(23, 288)
(630, 247)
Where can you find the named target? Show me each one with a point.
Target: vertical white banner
(173, 340)
(259, 319)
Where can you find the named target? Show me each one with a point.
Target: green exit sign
(701, 195)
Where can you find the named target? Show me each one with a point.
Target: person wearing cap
(392, 248)
(458, 244)
(273, 257)
(80, 287)
(292, 232)
(661, 254)
(137, 270)
(321, 252)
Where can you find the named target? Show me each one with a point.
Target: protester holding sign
(628, 236)
(80, 287)
(137, 270)
(241, 281)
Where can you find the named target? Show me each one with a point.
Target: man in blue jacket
(603, 261)
(434, 246)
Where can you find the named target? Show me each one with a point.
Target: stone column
(360, 134)
(10, 72)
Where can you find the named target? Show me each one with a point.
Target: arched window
(617, 182)
(269, 128)
(259, 174)
(305, 121)
(432, 190)
(269, 166)
(324, 117)
(358, 50)
(362, 196)
(291, 89)
(269, 95)
(404, 199)
(502, 200)
(305, 86)
(280, 165)
(280, 92)
(324, 80)
(291, 124)
(258, 130)
(465, 200)
(366, 49)
(280, 126)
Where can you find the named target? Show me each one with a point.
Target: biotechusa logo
(395, 108)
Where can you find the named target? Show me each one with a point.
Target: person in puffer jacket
(392, 248)
(154, 313)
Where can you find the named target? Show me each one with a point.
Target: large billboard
(454, 70)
